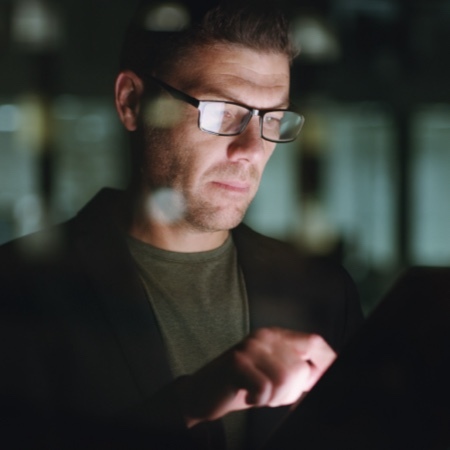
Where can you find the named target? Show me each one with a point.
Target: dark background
(383, 60)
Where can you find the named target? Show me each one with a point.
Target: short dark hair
(259, 28)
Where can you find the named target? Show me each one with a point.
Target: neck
(176, 237)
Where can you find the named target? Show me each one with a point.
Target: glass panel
(90, 152)
(430, 186)
(18, 171)
(360, 184)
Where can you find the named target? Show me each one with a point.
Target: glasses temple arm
(175, 93)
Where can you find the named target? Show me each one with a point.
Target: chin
(216, 221)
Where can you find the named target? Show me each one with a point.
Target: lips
(232, 185)
(229, 178)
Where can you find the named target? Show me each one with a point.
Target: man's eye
(221, 114)
(229, 114)
(272, 121)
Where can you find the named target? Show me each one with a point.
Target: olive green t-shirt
(200, 304)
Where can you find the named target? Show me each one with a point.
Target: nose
(249, 144)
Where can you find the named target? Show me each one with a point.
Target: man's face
(216, 177)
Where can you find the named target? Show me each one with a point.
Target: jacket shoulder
(313, 294)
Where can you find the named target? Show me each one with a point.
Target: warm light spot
(163, 113)
(316, 39)
(167, 17)
(36, 25)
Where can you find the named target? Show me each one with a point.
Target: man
(153, 319)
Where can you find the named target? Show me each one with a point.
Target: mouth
(232, 186)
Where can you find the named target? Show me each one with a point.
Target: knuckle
(316, 341)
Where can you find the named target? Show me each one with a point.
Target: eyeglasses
(224, 118)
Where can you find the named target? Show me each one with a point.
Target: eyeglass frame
(196, 103)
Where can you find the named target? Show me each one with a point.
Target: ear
(129, 89)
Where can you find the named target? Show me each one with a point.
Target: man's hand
(271, 367)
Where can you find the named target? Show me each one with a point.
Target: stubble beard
(206, 217)
(205, 214)
(162, 170)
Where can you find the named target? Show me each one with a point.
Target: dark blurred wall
(365, 183)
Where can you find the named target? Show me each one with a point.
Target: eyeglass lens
(230, 119)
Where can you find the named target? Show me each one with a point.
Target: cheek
(196, 150)
(163, 113)
(189, 159)
(162, 159)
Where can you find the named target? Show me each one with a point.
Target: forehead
(258, 79)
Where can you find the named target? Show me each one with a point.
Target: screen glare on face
(229, 119)
(223, 118)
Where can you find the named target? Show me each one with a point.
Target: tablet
(390, 386)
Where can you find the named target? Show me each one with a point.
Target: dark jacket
(81, 352)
